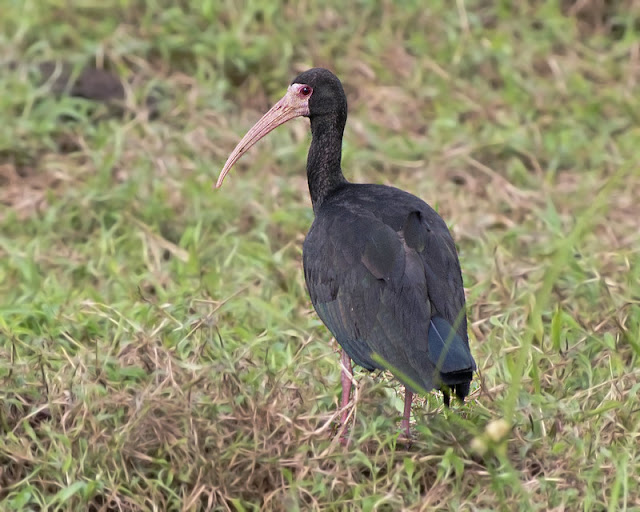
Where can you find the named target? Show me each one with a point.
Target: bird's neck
(324, 173)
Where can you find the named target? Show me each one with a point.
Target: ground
(158, 350)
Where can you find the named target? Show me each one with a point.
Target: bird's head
(316, 93)
(327, 95)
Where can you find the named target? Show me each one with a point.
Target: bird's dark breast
(365, 268)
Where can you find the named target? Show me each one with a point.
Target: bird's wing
(378, 289)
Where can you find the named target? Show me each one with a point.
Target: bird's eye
(305, 91)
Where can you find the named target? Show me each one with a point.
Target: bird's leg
(408, 397)
(346, 379)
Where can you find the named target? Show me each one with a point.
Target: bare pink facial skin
(293, 104)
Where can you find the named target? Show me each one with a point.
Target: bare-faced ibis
(380, 264)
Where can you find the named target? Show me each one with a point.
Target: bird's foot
(405, 439)
(405, 435)
(341, 429)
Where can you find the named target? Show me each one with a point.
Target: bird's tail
(452, 358)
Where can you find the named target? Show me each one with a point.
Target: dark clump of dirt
(93, 84)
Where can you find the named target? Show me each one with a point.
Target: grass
(158, 350)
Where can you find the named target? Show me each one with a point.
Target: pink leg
(347, 374)
(408, 397)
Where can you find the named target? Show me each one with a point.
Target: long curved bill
(292, 104)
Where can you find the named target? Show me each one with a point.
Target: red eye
(305, 91)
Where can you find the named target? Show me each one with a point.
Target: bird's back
(383, 274)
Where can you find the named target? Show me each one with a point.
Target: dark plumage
(380, 264)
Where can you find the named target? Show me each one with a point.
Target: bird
(380, 264)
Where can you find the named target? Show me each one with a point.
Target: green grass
(158, 350)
